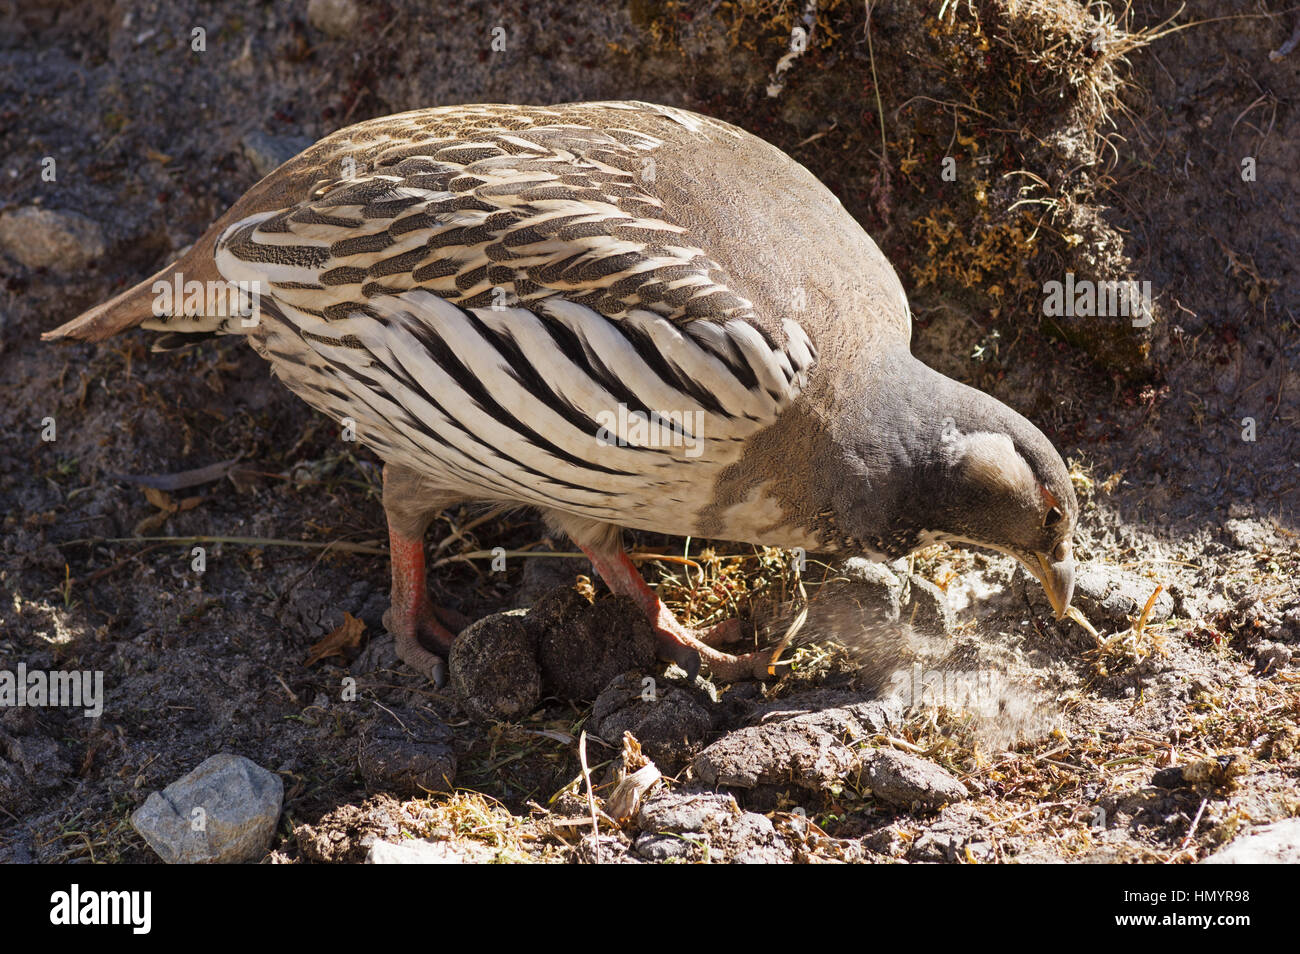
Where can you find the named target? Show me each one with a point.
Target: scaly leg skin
(677, 643)
(411, 617)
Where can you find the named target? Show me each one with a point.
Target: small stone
(926, 609)
(408, 752)
(780, 753)
(670, 722)
(493, 668)
(267, 152)
(582, 650)
(1275, 844)
(419, 851)
(49, 238)
(335, 17)
(904, 781)
(223, 812)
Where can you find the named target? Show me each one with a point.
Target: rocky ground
(933, 711)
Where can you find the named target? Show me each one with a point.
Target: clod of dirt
(335, 17)
(927, 610)
(1107, 596)
(905, 781)
(680, 811)
(696, 826)
(344, 835)
(30, 760)
(1216, 773)
(1271, 658)
(493, 668)
(223, 812)
(845, 715)
(781, 753)
(582, 646)
(873, 586)
(670, 721)
(408, 752)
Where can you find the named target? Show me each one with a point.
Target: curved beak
(1057, 580)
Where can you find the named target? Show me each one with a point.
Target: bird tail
(188, 297)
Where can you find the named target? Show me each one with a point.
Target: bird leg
(411, 617)
(677, 643)
(419, 627)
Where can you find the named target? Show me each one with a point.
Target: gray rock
(335, 17)
(420, 851)
(670, 722)
(1275, 844)
(408, 752)
(50, 238)
(779, 753)
(494, 670)
(223, 812)
(267, 152)
(904, 781)
(926, 609)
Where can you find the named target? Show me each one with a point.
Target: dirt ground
(1106, 144)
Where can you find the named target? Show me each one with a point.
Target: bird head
(940, 462)
(1006, 489)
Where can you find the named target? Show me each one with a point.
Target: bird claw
(407, 631)
(684, 656)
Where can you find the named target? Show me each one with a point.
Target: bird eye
(1053, 518)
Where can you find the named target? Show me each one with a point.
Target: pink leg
(677, 642)
(411, 617)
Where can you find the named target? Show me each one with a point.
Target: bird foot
(422, 641)
(689, 648)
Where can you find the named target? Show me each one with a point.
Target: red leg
(677, 642)
(411, 615)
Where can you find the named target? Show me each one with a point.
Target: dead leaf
(160, 499)
(347, 636)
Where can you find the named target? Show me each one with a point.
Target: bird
(625, 316)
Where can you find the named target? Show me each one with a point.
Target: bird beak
(1057, 580)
